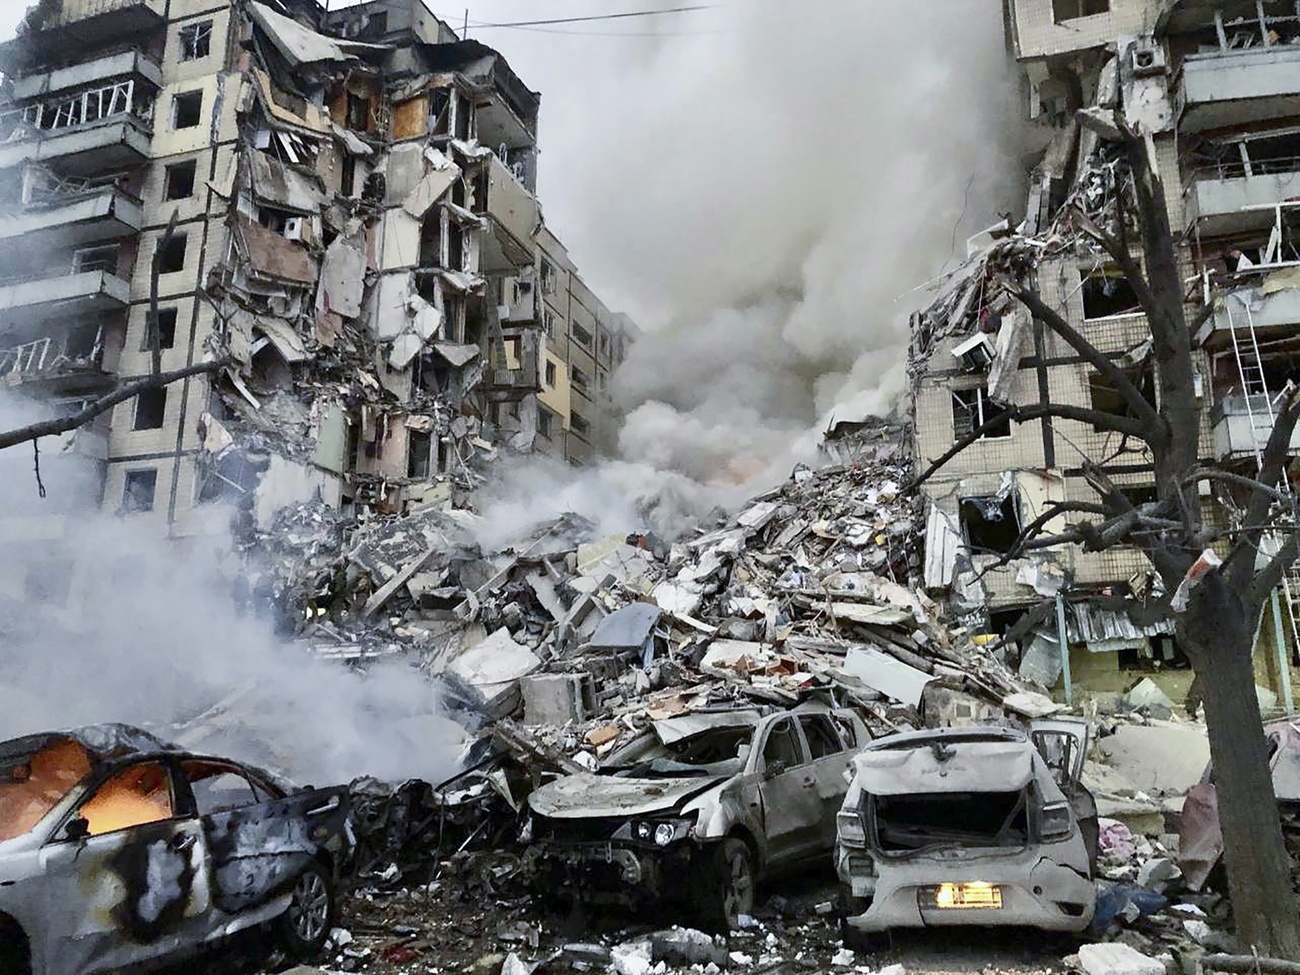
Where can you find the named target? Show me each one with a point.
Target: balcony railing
(47, 358)
(116, 100)
(1238, 86)
(1232, 196)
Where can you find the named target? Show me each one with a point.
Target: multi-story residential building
(354, 224)
(1215, 85)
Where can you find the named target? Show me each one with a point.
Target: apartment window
(187, 109)
(550, 374)
(991, 524)
(166, 330)
(171, 254)
(138, 490)
(544, 426)
(178, 181)
(578, 377)
(548, 323)
(150, 408)
(1107, 398)
(582, 335)
(95, 259)
(419, 454)
(548, 278)
(578, 423)
(1063, 10)
(196, 40)
(971, 409)
(1106, 292)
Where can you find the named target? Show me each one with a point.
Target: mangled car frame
(699, 810)
(117, 849)
(977, 826)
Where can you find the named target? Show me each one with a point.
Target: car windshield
(31, 785)
(713, 752)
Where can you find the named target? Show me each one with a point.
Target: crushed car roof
(948, 760)
(102, 742)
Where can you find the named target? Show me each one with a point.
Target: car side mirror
(78, 829)
(775, 768)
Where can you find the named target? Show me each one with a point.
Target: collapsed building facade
(354, 225)
(1215, 86)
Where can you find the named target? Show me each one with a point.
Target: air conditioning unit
(1148, 58)
(975, 353)
(294, 227)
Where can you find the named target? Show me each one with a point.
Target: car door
(1063, 745)
(259, 839)
(787, 789)
(126, 877)
(828, 760)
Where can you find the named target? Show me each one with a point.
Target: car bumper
(609, 873)
(1036, 892)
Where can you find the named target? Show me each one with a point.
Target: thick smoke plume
(109, 621)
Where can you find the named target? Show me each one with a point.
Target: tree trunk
(1217, 631)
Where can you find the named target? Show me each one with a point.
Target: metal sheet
(884, 673)
(627, 629)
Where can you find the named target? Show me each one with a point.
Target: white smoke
(104, 619)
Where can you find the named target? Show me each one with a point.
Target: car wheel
(733, 883)
(15, 957)
(305, 926)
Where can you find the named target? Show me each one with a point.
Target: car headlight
(643, 831)
(665, 833)
(660, 832)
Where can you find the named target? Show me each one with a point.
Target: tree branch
(1273, 464)
(1240, 480)
(121, 394)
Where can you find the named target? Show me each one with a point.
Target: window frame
(169, 172)
(982, 413)
(184, 98)
(192, 37)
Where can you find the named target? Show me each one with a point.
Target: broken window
(196, 40)
(218, 788)
(971, 409)
(440, 112)
(548, 323)
(419, 453)
(166, 330)
(178, 181)
(187, 109)
(782, 748)
(171, 254)
(820, 734)
(550, 373)
(133, 797)
(578, 423)
(1063, 10)
(991, 524)
(578, 377)
(548, 277)
(455, 246)
(138, 490)
(582, 335)
(150, 407)
(1106, 397)
(544, 422)
(102, 258)
(283, 222)
(977, 819)
(358, 115)
(464, 116)
(1107, 292)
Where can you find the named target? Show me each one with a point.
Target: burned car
(117, 850)
(972, 826)
(697, 811)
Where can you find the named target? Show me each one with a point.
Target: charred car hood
(589, 795)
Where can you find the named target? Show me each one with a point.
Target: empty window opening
(544, 422)
(819, 732)
(440, 112)
(578, 423)
(171, 254)
(582, 335)
(419, 454)
(196, 40)
(455, 247)
(464, 115)
(150, 408)
(578, 377)
(1063, 10)
(96, 259)
(166, 330)
(1140, 494)
(548, 277)
(138, 490)
(551, 374)
(1107, 292)
(548, 323)
(187, 110)
(782, 748)
(178, 183)
(283, 222)
(358, 116)
(979, 819)
(431, 240)
(991, 524)
(138, 795)
(971, 409)
(218, 789)
(1106, 397)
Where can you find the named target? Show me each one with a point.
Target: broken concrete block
(1156, 874)
(552, 699)
(602, 736)
(686, 946)
(844, 958)
(1147, 694)
(632, 958)
(586, 954)
(1117, 959)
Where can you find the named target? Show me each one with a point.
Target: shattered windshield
(965, 819)
(32, 784)
(714, 752)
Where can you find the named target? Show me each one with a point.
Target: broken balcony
(88, 74)
(70, 295)
(1267, 313)
(519, 374)
(100, 130)
(61, 25)
(74, 216)
(1236, 87)
(1242, 426)
(1228, 200)
(514, 217)
(64, 365)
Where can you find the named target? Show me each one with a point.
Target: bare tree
(1222, 602)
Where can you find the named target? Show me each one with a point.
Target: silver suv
(697, 811)
(117, 849)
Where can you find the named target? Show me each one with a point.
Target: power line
(581, 20)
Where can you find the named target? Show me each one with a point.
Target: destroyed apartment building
(355, 227)
(1216, 86)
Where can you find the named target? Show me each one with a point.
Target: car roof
(102, 742)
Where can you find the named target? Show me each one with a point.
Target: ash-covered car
(974, 826)
(697, 811)
(118, 850)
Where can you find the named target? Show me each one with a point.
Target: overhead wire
(594, 17)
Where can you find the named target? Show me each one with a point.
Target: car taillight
(1056, 821)
(850, 829)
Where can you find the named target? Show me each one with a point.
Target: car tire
(730, 883)
(860, 941)
(15, 956)
(304, 928)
